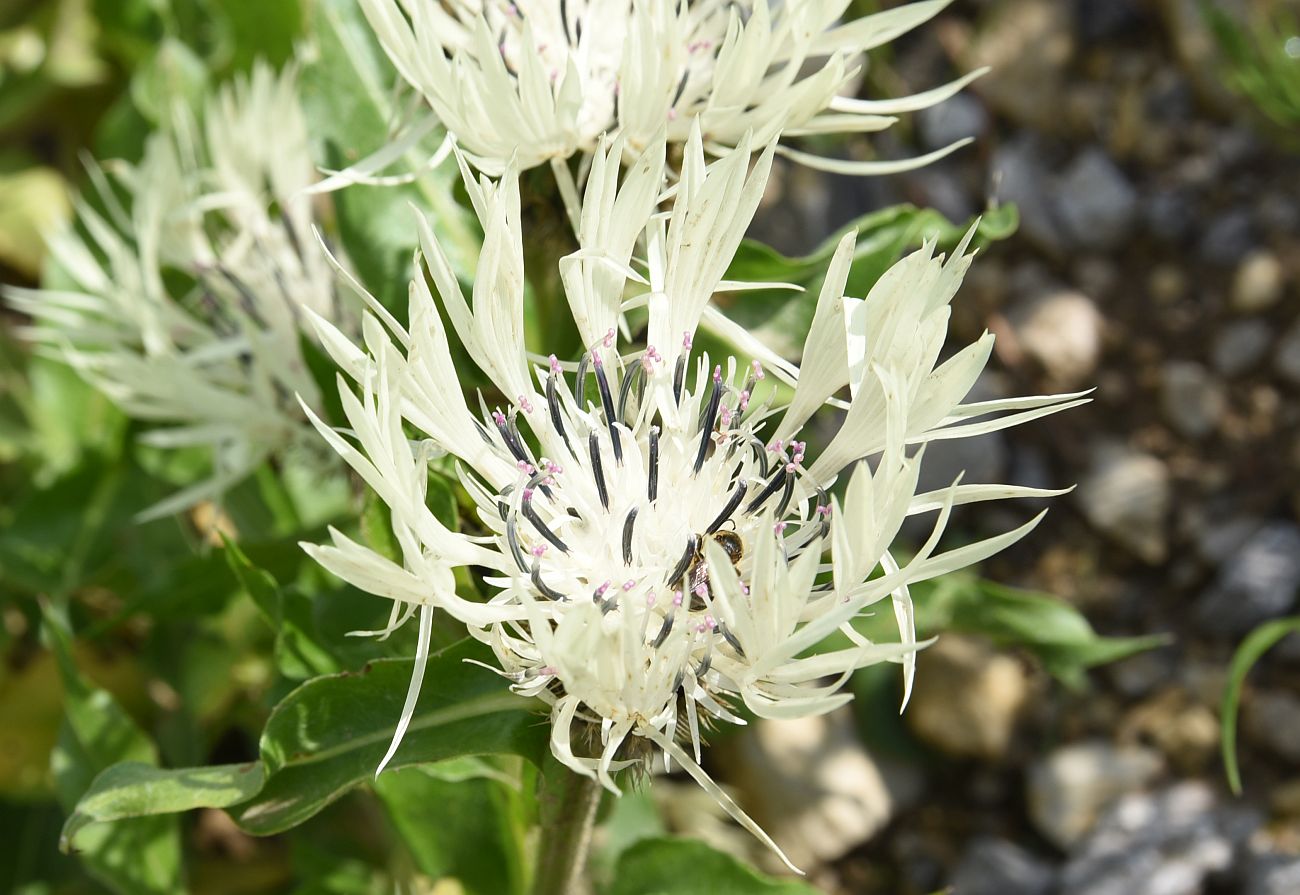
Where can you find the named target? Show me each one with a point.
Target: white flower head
(186, 300)
(657, 531)
(538, 80)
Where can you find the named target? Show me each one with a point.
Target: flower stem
(568, 814)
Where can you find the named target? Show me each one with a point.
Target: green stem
(568, 814)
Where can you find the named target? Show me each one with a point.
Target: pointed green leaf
(483, 848)
(1257, 642)
(687, 867)
(139, 856)
(134, 789)
(329, 735)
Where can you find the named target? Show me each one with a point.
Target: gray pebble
(998, 867)
(1095, 201)
(1257, 582)
(1241, 346)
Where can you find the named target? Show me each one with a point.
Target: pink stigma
(555, 364)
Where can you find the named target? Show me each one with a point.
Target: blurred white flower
(537, 80)
(184, 303)
(655, 529)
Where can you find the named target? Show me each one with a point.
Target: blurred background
(1150, 149)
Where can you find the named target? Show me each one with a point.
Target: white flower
(537, 80)
(657, 557)
(185, 304)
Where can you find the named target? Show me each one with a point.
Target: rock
(1095, 202)
(1287, 359)
(1028, 44)
(1192, 399)
(1272, 874)
(1220, 538)
(1126, 495)
(956, 118)
(1165, 843)
(1256, 583)
(1273, 720)
(1071, 788)
(811, 785)
(1062, 332)
(1258, 283)
(1185, 730)
(1101, 20)
(1169, 215)
(1140, 674)
(1228, 238)
(1020, 176)
(967, 698)
(998, 867)
(1241, 346)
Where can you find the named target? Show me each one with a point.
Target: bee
(697, 572)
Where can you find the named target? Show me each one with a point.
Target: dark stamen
(652, 487)
(732, 502)
(526, 506)
(731, 639)
(785, 496)
(508, 438)
(607, 402)
(708, 420)
(625, 390)
(557, 419)
(760, 454)
(663, 631)
(703, 668)
(628, 525)
(597, 473)
(680, 569)
(768, 490)
(512, 538)
(542, 587)
(679, 379)
(580, 383)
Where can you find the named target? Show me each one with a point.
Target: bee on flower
(184, 304)
(538, 81)
(661, 546)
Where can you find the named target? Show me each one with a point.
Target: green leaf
(298, 651)
(1257, 642)
(174, 76)
(483, 847)
(134, 789)
(1048, 627)
(139, 856)
(686, 867)
(329, 735)
(347, 94)
(262, 30)
(782, 318)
